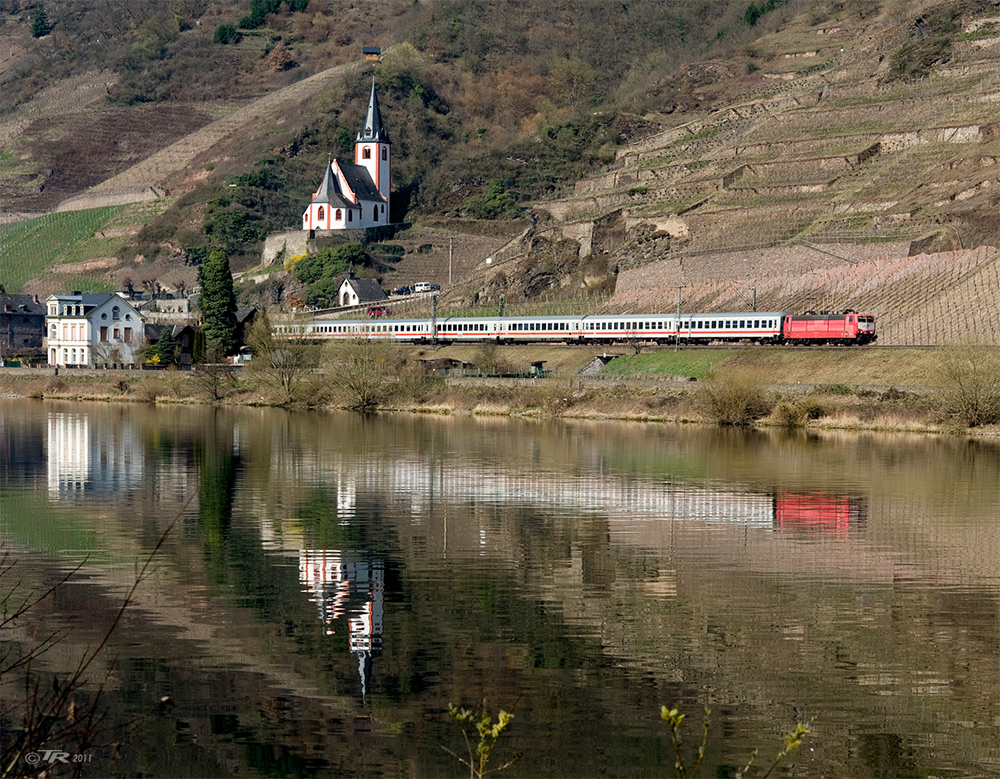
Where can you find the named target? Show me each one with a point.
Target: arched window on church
(350, 216)
(375, 213)
(366, 153)
(338, 215)
(385, 153)
(320, 212)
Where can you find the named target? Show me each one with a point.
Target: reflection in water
(80, 458)
(343, 585)
(819, 513)
(585, 573)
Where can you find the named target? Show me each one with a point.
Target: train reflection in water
(818, 512)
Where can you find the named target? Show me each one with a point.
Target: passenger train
(768, 327)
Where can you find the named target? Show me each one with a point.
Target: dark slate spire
(373, 130)
(327, 187)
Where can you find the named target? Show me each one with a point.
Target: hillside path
(156, 171)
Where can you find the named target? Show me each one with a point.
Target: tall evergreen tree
(166, 347)
(40, 25)
(218, 303)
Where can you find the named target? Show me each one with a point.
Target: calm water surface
(331, 582)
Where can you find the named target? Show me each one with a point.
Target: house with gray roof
(356, 292)
(87, 330)
(22, 325)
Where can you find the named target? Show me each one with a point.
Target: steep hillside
(810, 144)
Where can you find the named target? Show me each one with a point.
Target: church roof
(373, 130)
(360, 181)
(329, 191)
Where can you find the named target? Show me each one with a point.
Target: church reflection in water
(348, 589)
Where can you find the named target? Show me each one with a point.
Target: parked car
(422, 286)
(376, 311)
(435, 287)
(404, 290)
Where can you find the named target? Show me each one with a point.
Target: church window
(383, 208)
(338, 215)
(385, 153)
(366, 153)
(350, 216)
(375, 213)
(321, 212)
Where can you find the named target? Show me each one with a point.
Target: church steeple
(373, 130)
(372, 150)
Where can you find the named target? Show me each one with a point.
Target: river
(327, 583)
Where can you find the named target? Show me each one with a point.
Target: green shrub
(226, 33)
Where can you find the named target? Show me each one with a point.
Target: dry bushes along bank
(960, 388)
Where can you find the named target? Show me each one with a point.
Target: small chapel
(355, 195)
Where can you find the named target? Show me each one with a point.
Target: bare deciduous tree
(284, 363)
(367, 370)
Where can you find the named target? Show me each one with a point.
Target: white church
(353, 196)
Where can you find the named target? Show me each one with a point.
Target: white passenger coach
(755, 327)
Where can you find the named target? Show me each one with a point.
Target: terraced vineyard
(56, 250)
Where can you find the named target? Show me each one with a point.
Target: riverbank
(873, 388)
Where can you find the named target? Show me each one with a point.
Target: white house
(86, 330)
(354, 292)
(355, 195)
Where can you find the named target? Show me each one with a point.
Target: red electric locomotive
(846, 327)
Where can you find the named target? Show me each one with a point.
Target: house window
(366, 153)
(116, 313)
(53, 333)
(117, 334)
(104, 334)
(65, 332)
(320, 213)
(128, 335)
